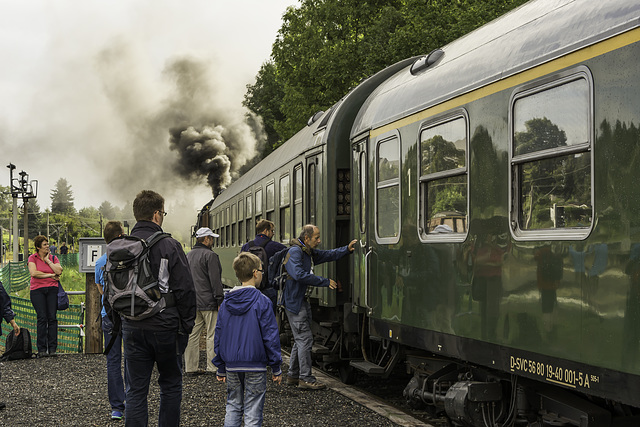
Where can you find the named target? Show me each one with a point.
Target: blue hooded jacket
(246, 337)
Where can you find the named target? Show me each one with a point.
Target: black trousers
(45, 302)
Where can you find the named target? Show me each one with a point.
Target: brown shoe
(316, 385)
(292, 380)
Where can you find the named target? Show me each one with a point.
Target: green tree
(107, 210)
(62, 198)
(265, 98)
(326, 47)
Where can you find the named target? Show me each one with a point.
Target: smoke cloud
(190, 135)
(126, 96)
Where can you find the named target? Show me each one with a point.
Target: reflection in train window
(297, 200)
(285, 210)
(388, 189)
(551, 163)
(270, 201)
(443, 178)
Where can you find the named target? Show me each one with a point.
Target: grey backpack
(131, 289)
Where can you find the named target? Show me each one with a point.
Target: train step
(320, 349)
(367, 367)
(329, 324)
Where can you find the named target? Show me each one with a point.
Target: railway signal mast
(25, 189)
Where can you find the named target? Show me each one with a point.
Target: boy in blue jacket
(246, 341)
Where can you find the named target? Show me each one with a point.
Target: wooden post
(93, 319)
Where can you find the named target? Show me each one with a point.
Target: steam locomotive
(493, 188)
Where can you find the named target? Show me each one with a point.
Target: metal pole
(16, 232)
(26, 229)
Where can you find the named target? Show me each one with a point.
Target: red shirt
(37, 283)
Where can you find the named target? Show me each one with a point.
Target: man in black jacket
(207, 279)
(162, 338)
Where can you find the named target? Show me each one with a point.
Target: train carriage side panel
(544, 283)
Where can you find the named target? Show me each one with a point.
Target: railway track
(381, 395)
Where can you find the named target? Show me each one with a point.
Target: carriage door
(359, 223)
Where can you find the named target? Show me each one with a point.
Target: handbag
(63, 298)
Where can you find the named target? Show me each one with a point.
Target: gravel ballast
(71, 390)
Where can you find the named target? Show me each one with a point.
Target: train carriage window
(258, 205)
(297, 199)
(228, 227)
(551, 158)
(215, 226)
(249, 222)
(285, 209)
(234, 225)
(388, 190)
(240, 223)
(223, 227)
(443, 178)
(312, 188)
(363, 191)
(270, 201)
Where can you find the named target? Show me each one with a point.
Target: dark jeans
(45, 302)
(144, 349)
(115, 384)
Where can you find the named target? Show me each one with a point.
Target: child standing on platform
(246, 342)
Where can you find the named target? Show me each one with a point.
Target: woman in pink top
(45, 270)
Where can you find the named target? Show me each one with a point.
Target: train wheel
(347, 373)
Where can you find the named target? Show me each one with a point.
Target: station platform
(71, 390)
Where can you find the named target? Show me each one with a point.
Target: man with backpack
(207, 279)
(159, 339)
(111, 330)
(8, 315)
(264, 248)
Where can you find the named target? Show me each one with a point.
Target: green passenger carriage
(493, 187)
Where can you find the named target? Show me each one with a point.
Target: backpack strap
(252, 243)
(25, 340)
(156, 237)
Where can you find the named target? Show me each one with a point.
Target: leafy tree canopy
(326, 47)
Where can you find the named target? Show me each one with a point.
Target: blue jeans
(300, 360)
(144, 349)
(115, 384)
(245, 395)
(45, 302)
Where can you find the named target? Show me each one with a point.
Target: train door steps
(329, 324)
(368, 367)
(320, 349)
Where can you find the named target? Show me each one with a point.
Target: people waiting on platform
(45, 270)
(246, 342)
(115, 383)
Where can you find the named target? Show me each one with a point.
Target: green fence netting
(15, 276)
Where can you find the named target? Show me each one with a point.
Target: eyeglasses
(163, 213)
(261, 271)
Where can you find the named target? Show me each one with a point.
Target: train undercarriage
(465, 394)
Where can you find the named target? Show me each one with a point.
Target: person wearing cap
(206, 272)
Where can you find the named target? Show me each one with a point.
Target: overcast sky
(89, 90)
